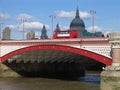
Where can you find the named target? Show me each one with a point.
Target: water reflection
(91, 79)
(50, 84)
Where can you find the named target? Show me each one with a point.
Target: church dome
(77, 23)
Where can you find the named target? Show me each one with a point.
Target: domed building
(77, 24)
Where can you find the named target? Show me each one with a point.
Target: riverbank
(7, 72)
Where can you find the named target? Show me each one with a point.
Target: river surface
(89, 82)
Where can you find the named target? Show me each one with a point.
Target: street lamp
(23, 26)
(0, 41)
(92, 13)
(52, 17)
(1, 30)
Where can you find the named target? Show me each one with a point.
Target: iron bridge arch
(100, 58)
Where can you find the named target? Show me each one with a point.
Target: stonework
(114, 36)
(112, 68)
(110, 80)
(110, 77)
(114, 39)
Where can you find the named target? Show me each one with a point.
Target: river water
(89, 82)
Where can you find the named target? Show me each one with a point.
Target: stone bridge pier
(110, 77)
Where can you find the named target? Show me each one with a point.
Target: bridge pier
(110, 77)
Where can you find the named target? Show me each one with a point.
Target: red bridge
(60, 50)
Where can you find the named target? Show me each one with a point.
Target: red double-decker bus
(65, 34)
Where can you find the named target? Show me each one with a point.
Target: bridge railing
(58, 40)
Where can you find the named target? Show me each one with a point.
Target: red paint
(95, 56)
(63, 33)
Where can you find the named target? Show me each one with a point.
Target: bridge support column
(110, 77)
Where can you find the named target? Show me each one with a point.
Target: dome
(77, 23)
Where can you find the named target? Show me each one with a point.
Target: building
(57, 27)
(6, 33)
(30, 35)
(44, 33)
(78, 25)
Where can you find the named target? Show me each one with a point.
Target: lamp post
(92, 13)
(0, 41)
(52, 18)
(1, 30)
(23, 26)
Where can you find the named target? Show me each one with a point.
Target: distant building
(78, 25)
(44, 33)
(30, 35)
(6, 33)
(57, 27)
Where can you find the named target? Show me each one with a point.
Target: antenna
(92, 13)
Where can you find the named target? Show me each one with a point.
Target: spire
(57, 27)
(77, 13)
(44, 33)
(44, 29)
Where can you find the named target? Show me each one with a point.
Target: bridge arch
(100, 58)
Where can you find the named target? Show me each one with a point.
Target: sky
(36, 13)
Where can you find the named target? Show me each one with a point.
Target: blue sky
(37, 12)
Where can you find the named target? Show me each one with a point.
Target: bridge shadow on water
(62, 71)
(89, 78)
(93, 77)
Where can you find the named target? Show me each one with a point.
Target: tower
(6, 33)
(30, 35)
(57, 27)
(44, 33)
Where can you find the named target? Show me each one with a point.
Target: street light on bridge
(1, 30)
(23, 26)
(52, 17)
(92, 13)
(0, 40)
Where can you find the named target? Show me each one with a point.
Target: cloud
(85, 15)
(4, 16)
(99, 29)
(62, 27)
(29, 26)
(26, 17)
(30, 23)
(65, 14)
(35, 25)
(96, 28)
(13, 27)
